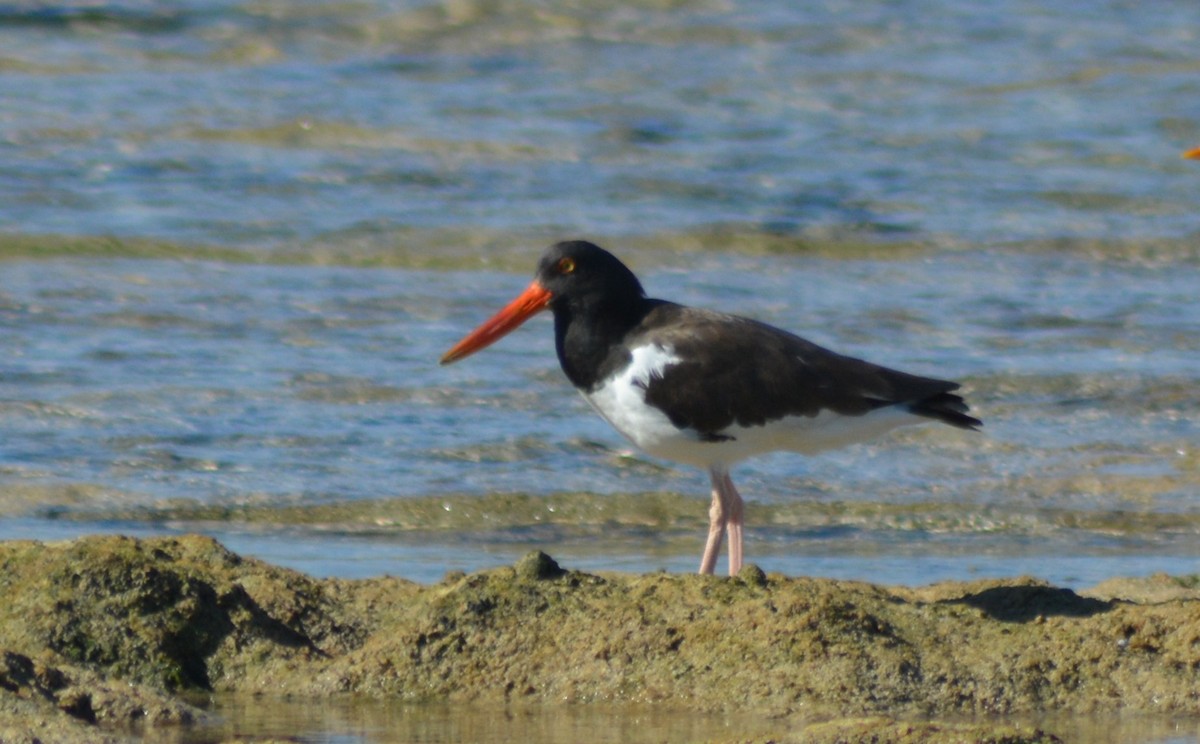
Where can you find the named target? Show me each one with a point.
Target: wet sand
(108, 635)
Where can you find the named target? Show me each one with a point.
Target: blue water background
(988, 193)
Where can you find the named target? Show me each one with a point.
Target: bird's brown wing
(737, 370)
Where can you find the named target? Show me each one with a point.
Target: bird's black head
(581, 274)
(579, 281)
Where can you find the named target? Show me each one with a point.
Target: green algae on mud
(670, 515)
(59, 702)
(456, 249)
(24, 247)
(179, 616)
(448, 249)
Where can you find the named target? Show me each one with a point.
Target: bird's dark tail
(947, 408)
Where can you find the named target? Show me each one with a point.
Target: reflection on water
(359, 721)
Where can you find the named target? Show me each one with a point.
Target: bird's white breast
(621, 400)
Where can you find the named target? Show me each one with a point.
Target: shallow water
(134, 383)
(334, 123)
(351, 721)
(236, 236)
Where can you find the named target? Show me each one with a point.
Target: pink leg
(734, 508)
(716, 527)
(724, 515)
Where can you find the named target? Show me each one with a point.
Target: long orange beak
(532, 301)
(1194, 153)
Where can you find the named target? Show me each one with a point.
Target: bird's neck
(588, 336)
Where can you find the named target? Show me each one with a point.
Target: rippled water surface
(136, 383)
(236, 236)
(341, 123)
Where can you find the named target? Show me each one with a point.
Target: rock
(537, 565)
(104, 631)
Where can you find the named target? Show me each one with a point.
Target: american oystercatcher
(706, 388)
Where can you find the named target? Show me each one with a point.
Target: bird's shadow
(1019, 604)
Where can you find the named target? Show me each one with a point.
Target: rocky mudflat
(104, 638)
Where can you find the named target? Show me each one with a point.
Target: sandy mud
(105, 637)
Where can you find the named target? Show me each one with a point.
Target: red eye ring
(566, 265)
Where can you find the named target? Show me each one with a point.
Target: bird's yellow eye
(566, 265)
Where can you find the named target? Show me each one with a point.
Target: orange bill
(532, 301)
(1193, 153)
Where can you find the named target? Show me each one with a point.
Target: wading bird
(706, 388)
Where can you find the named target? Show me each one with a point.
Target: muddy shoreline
(108, 635)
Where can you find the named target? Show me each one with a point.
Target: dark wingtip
(962, 421)
(947, 408)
